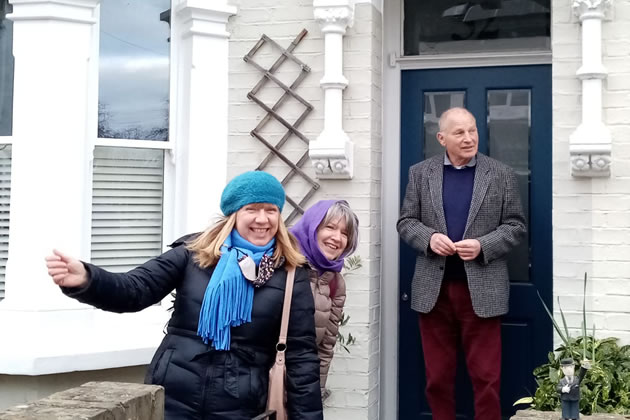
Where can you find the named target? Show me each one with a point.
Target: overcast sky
(134, 63)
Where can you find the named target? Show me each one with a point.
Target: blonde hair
(207, 246)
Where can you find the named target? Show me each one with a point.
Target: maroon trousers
(453, 317)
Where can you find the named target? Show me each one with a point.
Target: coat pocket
(161, 367)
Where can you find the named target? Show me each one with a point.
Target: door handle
(404, 297)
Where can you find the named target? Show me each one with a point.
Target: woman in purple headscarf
(327, 233)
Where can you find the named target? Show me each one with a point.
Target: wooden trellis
(292, 128)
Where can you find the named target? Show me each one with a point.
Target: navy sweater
(456, 197)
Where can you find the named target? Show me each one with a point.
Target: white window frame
(79, 337)
(6, 141)
(168, 183)
(168, 208)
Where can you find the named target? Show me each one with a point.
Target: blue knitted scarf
(229, 296)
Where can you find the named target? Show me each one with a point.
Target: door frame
(393, 65)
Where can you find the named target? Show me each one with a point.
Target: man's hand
(442, 245)
(468, 249)
(566, 389)
(586, 364)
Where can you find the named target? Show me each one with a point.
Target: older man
(462, 214)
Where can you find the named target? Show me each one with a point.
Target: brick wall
(353, 378)
(591, 221)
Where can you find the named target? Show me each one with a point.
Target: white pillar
(54, 128)
(332, 152)
(201, 111)
(52, 42)
(590, 145)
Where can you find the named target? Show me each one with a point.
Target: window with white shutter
(6, 118)
(128, 174)
(5, 194)
(6, 69)
(127, 198)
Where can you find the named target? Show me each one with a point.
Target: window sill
(49, 342)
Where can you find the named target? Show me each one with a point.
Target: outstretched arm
(118, 292)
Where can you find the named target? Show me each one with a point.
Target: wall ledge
(555, 415)
(95, 401)
(48, 342)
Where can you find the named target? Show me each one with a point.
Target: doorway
(512, 105)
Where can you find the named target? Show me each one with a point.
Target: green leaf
(524, 400)
(564, 322)
(584, 318)
(555, 324)
(593, 342)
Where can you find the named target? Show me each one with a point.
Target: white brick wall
(354, 377)
(591, 218)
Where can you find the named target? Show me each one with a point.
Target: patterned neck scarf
(229, 296)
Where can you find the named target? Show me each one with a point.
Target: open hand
(566, 389)
(586, 364)
(65, 270)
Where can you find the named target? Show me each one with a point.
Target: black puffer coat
(199, 382)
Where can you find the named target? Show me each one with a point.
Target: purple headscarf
(306, 233)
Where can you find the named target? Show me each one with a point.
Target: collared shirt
(471, 163)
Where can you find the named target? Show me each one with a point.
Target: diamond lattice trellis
(272, 114)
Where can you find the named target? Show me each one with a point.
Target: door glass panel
(455, 26)
(509, 124)
(435, 103)
(134, 70)
(6, 69)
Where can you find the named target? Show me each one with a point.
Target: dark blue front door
(512, 106)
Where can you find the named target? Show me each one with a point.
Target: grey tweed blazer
(495, 219)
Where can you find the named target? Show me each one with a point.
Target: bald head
(458, 134)
(452, 114)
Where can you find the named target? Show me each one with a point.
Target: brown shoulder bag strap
(286, 308)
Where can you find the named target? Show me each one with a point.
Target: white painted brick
(280, 15)
(617, 321)
(615, 30)
(611, 303)
(346, 413)
(561, 15)
(617, 48)
(354, 377)
(618, 81)
(567, 33)
(617, 64)
(617, 99)
(566, 85)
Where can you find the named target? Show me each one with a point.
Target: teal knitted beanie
(251, 187)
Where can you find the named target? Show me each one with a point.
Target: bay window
(133, 133)
(6, 120)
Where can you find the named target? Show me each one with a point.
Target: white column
(51, 144)
(332, 152)
(590, 145)
(201, 111)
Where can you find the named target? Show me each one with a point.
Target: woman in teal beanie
(221, 339)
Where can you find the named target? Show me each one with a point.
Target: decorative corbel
(332, 152)
(590, 145)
